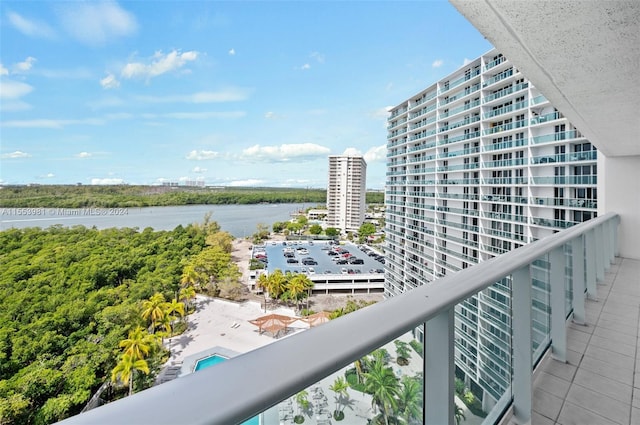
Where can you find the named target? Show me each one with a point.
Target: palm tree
(174, 307)
(186, 294)
(125, 369)
(340, 387)
(298, 286)
(303, 404)
(138, 344)
(277, 284)
(382, 384)
(189, 276)
(410, 399)
(403, 353)
(153, 309)
(263, 283)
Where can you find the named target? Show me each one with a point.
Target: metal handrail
(248, 384)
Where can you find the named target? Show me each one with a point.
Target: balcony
(586, 365)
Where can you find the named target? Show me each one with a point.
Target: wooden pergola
(317, 318)
(273, 323)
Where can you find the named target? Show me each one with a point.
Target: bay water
(239, 220)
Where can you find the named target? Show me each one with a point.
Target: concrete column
(522, 357)
(558, 305)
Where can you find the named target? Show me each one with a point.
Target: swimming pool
(208, 362)
(212, 361)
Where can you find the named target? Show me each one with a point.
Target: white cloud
(14, 106)
(305, 66)
(3, 70)
(376, 154)
(466, 61)
(202, 155)
(84, 155)
(110, 82)
(203, 115)
(30, 27)
(231, 94)
(247, 182)
(16, 154)
(437, 63)
(49, 123)
(159, 64)
(285, 152)
(10, 89)
(270, 115)
(199, 170)
(232, 52)
(107, 181)
(381, 113)
(79, 73)
(24, 66)
(319, 57)
(97, 23)
(50, 175)
(352, 151)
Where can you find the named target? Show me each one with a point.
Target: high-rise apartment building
(346, 192)
(480, 163)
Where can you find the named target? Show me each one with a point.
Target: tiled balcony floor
(600, 383)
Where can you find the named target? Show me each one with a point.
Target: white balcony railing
(251, 383)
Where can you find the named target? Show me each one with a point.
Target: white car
(343, 270)
(312, 270)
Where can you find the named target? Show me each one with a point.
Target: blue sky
(233, 93)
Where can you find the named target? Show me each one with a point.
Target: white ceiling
(584, 55)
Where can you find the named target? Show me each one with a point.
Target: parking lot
(320, 258)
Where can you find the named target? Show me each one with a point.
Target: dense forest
(68, 297)
(80, 196)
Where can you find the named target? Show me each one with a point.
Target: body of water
(239, 220)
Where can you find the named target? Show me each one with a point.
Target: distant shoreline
(125, 196)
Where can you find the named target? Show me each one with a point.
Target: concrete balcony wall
(619, 191)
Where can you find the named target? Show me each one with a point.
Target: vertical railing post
(439, 372)
(599, 253)
(590, 261)
(522, 356)
(610, 229)
(614, 234)
(577, 278)
(558, 305)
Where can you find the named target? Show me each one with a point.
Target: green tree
(154, 309)
(403, 352)
(126, 368)
(174, 307)
(302, 399)
(277, 284)
(187, 294)
(221, 240)
(189, 276)
(138, 344)
(278, 226)
(297, 287)
(340, 388)
(366, 230)
(410, 400)
(331, 231)
(315, 229)
(263, 283)
(382, 384)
